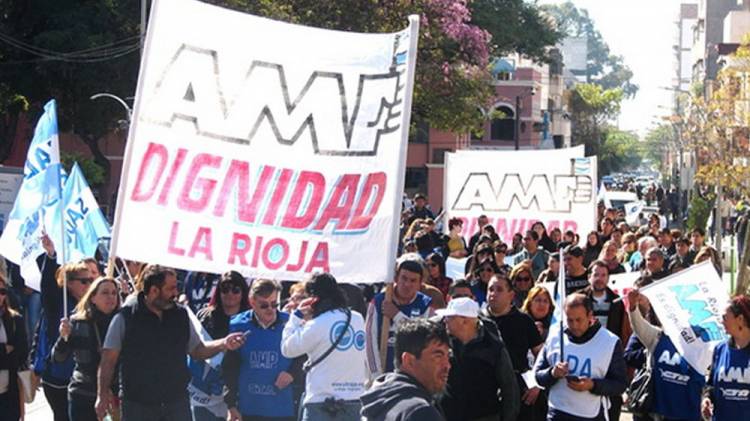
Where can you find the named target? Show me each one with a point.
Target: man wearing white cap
(481, 370)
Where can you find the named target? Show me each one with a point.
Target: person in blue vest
(729, 377)
(206, 386)
(400, 301)
(677, 385)
(258, 377)
(591, 369)
(55, 375)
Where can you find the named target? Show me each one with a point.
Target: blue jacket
(260, 360)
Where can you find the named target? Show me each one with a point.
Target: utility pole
(517, 125)
(143, 24)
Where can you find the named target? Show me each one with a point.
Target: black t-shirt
(575, 283)
(519, 334)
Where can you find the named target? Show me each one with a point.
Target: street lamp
(119, 100)
(517, 125)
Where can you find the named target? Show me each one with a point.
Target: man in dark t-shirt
(576, 277)
(519, 334)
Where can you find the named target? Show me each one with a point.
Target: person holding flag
(677, 385)
(729, 378)
(38, 199)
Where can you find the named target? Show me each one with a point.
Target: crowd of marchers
(155, 343)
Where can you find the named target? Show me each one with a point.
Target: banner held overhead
(515, 189)
(265, 147)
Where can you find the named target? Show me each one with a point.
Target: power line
(99, 53)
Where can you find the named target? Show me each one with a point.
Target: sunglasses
(487, 269)
(501, 250)
(3, 291)
(432, 265)
(266, 306)
(523, 279)
(83, 281)
(234, 289)
(462, 296)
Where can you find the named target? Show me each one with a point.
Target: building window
(438, 155)
(503, 76)
(503, 128)
(420, 132)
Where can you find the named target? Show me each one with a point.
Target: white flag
(689, 305)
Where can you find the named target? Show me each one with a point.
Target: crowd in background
(266, 349)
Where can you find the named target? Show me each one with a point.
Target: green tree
(602, 67)
(657, 143)
(592, 106)
(620, 151)
(93, 172)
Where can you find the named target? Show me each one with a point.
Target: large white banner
(517, 188)
(269, 148)
(689, 305)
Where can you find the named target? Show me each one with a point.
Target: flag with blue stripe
(38, 197)
(84, 222)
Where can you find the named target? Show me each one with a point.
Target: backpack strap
(309, 365)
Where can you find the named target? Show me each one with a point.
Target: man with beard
(152, 336)
(586, 370)
(608, 312)
(422, 365)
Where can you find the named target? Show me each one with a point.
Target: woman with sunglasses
(230, 297)
(483, 273)
(545, 241)
(729, 368)
(436, 272)
(501, 252)
(73, 280)
(82, 337)
(522, 281)
(13, 351)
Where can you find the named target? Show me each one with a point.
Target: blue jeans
(172, 411)
(316, 412)
(32, 306)
(202, 414)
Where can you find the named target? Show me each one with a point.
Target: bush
(698, 212)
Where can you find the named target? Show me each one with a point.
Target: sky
(642, 31)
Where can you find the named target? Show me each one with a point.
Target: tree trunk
(742, 278)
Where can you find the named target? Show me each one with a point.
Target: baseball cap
(463, 306)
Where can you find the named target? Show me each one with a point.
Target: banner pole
(63, 246)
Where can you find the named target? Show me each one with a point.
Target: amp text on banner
(276, 158)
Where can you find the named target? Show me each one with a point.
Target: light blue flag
(37, 198)
(84, 222)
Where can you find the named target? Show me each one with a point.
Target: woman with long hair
(592, 248)
(545, 241)
(729, 366)
(436, 273)
(13, 351)
(230, 297)
(609, 256)
(325, 315)
(82, 337)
